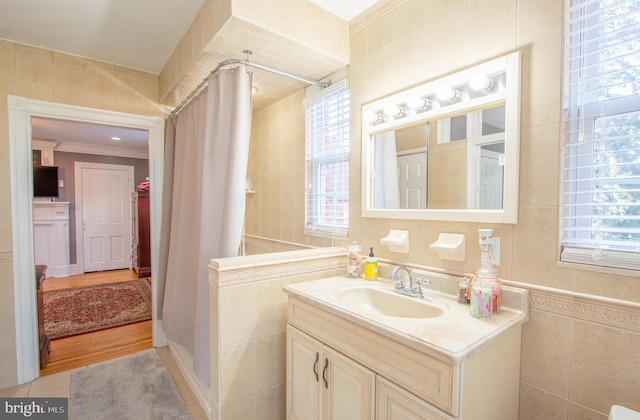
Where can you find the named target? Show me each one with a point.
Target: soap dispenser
(371, 266)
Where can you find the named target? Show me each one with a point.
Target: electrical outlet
(495, 255)
(60, 183)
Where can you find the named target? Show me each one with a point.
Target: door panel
(412, 180)
(106, 216)
(303, 376)
(349, 392)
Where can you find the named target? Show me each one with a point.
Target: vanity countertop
(453, 336)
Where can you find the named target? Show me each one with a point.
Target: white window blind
(327, 161)
(600, 222)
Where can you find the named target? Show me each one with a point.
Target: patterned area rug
(92, 308)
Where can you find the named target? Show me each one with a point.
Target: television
(45, 181)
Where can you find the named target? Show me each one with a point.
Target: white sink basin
(386, 302)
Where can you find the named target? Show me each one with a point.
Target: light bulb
(481, 82)
(418, 102)
(370, 117)
(393, 110)
(446, 93)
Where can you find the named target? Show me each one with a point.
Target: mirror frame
(509, 95)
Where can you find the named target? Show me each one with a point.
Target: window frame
(315, 220)
(580, 127)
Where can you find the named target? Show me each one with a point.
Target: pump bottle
(371, 266)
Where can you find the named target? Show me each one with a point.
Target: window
(600, 222)
(327, 161)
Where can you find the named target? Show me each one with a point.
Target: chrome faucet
(413, 289)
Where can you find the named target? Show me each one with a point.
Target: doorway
(21, 110)
(104, 223)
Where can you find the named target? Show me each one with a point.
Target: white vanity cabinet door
(395, 403)
(324, 384)
(303, 376)
(348, 388)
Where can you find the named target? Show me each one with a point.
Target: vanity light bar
(479, 85)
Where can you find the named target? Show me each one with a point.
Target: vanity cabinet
(408, 382)
(395, 403)
(324, 384)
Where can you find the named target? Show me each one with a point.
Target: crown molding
(92, 149)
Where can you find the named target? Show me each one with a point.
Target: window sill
(599, 269)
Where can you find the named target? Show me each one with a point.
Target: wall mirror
(447, 149)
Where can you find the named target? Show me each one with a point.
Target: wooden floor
(82, 350)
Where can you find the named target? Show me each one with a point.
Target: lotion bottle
(371, 266)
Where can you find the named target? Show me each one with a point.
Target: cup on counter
(481, 305)
(354, 261)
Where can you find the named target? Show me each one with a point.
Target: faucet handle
(417, 290)
(419, 281)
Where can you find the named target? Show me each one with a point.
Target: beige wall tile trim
(276, 271)
(609, 312)
(6, 257)
(373, 13)
(558, 303)
(250, 268)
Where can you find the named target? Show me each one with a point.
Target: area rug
(133, 387)
(93, 308)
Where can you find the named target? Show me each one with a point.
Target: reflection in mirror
(451, 163)
(446, 157)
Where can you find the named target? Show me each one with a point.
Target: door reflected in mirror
(455, 162)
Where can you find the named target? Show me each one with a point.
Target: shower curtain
(386, 191)
(205, 179)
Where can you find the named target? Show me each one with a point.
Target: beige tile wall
(401, 44)
(248, 328)
(46, 75)
(575, 363)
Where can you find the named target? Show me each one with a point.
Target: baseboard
(185, 363)
(61, 271)
(75, 269)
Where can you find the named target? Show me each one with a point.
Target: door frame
(78, 167)
(20, 157)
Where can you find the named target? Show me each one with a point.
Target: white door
(106, 217)
(412, 179)
(490, 181)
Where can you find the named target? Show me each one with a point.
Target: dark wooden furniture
(45, 342)
(141, 236)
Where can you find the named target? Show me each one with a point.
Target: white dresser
(51, 237)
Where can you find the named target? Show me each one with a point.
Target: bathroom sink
(386, 302)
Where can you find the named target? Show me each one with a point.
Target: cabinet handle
(315, 367)
(324, 371)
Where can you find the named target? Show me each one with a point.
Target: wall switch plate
(495, 256)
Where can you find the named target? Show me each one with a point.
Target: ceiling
(139, 34)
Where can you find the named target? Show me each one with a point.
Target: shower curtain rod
(246, 63)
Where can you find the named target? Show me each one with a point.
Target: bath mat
(136, 387)
(85, 309)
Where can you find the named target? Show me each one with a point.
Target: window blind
(327, 161)
(600, 223)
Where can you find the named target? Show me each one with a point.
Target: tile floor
(58, 385)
